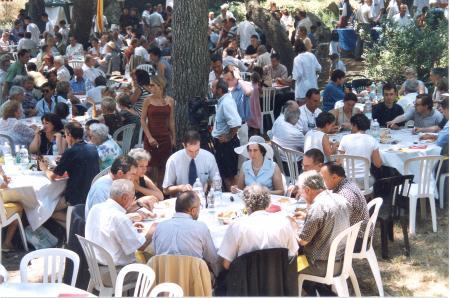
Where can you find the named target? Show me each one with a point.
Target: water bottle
(375, 129)
(368, 108)
(17, 148)
(217, 187)
(372, 93)
(380, 90)
(7, 154)
(23, 153)
(211, 199)
(54, 148)
(198, 188)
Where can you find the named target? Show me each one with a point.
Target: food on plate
(273, 208)
(227, 214)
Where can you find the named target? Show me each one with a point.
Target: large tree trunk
(35, 9)
(189, 57)
(82, 13)
(276, 36)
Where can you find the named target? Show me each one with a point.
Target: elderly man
(224, 15)
(442, 137)
(74, 49)
(186, 165)
(333, 91)
(309, 111)
(402, 19)
(4, 42)
(410, 93)
(62, 73)
(285, 130)
(260, 230)
(226, 126)
(336, 181)
(17, 68)
(387, 110)
(304, 71)
(424, 115)
(327, 215)
(16, 93)
(108, 225)
(78, 83)
(5, 62)
(184, 235)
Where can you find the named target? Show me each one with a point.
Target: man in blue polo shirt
(333, 91)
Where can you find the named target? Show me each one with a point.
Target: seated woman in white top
(358, 143)
(318, 137)
(344, 113)
(260, 167)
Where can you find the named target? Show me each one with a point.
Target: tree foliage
(421, 48)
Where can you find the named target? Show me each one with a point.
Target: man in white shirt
(62, 72)
(141, 50)
(285, 130)
(309, 111)
(224, 15)
(245, 31)
(156, 22)
(74, 49)
(33, 28)
(260, 230)
(90, 72)
(364, 14)
(402, 19)
(27, 43)
(304, 71)
(231, 60)
(187, 164)
(376, 7)
(287, 21)
(48, 24)
(109, 226)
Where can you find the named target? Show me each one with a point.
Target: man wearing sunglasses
(48, 102)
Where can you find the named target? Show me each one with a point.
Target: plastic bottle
(372, 93)
(23, 153)
(211, 199)
(217, 187)
(17, 148)
(198, 188)
(380, 90)
(375, 129)
(368, 108)
(7, 154)
(54, 148)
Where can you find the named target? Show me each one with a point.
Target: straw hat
(255, 140)
(111, 44)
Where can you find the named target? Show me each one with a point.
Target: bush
(421, 48)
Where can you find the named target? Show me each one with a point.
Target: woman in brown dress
(158, 122)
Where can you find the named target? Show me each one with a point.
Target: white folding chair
(140, 143)
(54, 262)
(292, 158)
(4, 222)
(76, 63)
(349, 163)
(423, 188)
(97, 271)
(68, 219)
(171, 290)
(10, 141)
(339, 281)
(367, 251)
(268, 105)
(148, 68)
(442, 187)
(145, 279)
(102, 173)
(127, 136)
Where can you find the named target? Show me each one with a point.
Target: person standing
(33, 28)
(159, 130)
(15, 69)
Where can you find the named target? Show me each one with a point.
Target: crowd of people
(55, 89)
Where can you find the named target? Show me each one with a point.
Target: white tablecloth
(41, 290)
(38, 195)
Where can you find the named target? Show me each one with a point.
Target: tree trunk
(276, 36)
(82, 13)
(189, 57)
(35, 10)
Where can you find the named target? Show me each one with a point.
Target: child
(334, 44)
(336, 63)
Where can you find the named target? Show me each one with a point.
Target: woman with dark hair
(318, 137)
(141, 84)
(52, 77)
(334, 44)
(344, 113)
(49, 135)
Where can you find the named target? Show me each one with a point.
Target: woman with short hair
(10, 125)
(49, 135)
(107, 148)
(143, 185)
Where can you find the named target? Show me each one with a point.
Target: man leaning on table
(109, 226)
(184, 235)
(387, 110)
(186, 165)
(327, 215)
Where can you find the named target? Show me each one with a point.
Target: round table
(41, 290)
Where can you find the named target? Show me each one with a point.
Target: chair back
(102, 173)
(91, 250)
(427, 166)
(270, 134)
(394, 191)
(349, 163)
(135, 61)
(10, 141)
(268, 99)
(190, 273)
(277, 156)
(376, 205)
(54, 261)
(350, 234)
(292, 158)
(148, 68)
(127, 131)
(144, 282)
(169, 288)
(76, 63)
(140, 143)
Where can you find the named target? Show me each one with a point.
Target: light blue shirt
(242, 102)
(227, 116)
(98, 193)
(264, 176)
(442, 138)
(182, 235)
(43, 107)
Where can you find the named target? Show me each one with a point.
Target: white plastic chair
(145, 279)
(91, 249)
(68, 219)
(270, 134)
(292, 158)
(442, 186)
(268, 105)
(54, 262)
(340, 281)
(172, 290)
(140, 143)
(148, 68)
(4, 222)
(422, 188)
(10, 141)
(367, 251)
(127, 136)
(76, 63)
(102, 173)
(349, 163)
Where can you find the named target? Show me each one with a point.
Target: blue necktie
(192, 172)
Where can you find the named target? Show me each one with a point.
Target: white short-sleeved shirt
(177, 167)
(259, 230)
(75, 51)
(359, 144)
(98, 193)
(109, 226)
(49, 27)
(313, 140)
(401, 21)
(245, 31)
(34, 29)
(307, 120)
(63, 74)
(287, 135)
(141, 51)
(96, 93)
(304, 73)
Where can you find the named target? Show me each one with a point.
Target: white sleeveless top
(313, 139)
